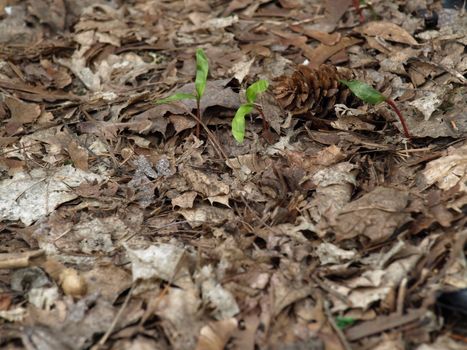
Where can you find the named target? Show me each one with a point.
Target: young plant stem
(392, 104)
(266, 133)
(261, 113)
(356, 4)
(198, 115)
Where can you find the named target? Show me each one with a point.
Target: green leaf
(238, 122)
(176, 97)
(343, 322)
(255, 89)
(364, 92)
(202, 68)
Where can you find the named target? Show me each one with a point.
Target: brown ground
(120, 229)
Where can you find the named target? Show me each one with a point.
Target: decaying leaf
(388, 31)
(28, 197)
(375, 215)
(123, 228)
(215, 335)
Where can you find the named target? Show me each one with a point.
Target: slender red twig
(392, 104)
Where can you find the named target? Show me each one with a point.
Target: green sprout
(238, 122)
(370, 95)
(202, 69)
(344, 322)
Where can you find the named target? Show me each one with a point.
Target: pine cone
(312, 90)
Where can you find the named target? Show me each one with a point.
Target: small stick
(117, 318)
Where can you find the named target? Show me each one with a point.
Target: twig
(211, 136)
(401, 296)
(117, 317)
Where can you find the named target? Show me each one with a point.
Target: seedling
(344, 322)
(356, 4)
(202, 68)
(238, 122)
(370, 95)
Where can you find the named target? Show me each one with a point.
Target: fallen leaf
(215, 335)
(30, 196)
(376, 215)
(206, 214)
(388, 31)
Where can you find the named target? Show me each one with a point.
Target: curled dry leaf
(164, 261)
(73, 283)
(215, 335)
(446, 172)
(205, 184)
(205, 214)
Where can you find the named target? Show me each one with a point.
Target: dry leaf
(388, 31)
(215, 335)
(376, 215)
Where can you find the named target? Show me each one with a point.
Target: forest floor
(122, 228)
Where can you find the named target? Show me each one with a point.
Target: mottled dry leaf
(164, 261)
(388, 31)
(29, 196)
(447, 171)
(334, 10)
(333, 192)
(51, 12)
(375, 215)
(109, 281)
(429, 101)
(21, 113)
(248, 163)
(284, 293)
(185, 200)
(181, 122)
(323, 37)
(78, 155)
(220, 199)
(205, 214)
(329, 253)
(217, 297)
(215, 335)
(350, 122)
(205, 184)
(241, 69)
(321, 53)
(179, 313)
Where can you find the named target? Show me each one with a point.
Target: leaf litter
(123, 228)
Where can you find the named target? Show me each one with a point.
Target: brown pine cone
(312, 90)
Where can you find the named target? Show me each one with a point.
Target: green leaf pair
(202, 69)
(251, 94)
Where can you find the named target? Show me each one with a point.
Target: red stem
(356, 4)
(198, 115)
(392, 104)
